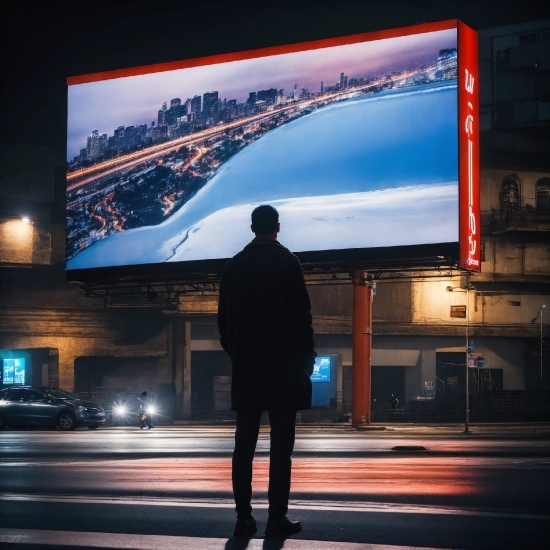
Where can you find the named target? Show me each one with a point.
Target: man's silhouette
(264, 318)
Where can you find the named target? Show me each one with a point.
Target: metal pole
(542, 307)
(361, 353)
(467, 419)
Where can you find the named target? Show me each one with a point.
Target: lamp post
(467, 291)
(541, 308)
(467, 420)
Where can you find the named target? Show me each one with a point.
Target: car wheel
(66, 421)
(93, 426)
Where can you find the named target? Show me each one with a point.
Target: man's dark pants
(283, 425)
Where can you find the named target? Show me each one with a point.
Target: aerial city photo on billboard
(353, 140)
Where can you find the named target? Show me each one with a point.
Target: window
(16, 394)
(542, 191)
(530, 38)
(542, 84)
(510, 199)
(34, 395)
(60, 394)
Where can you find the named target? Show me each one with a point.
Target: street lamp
(467, 290)
(539, 314)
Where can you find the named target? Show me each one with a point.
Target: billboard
(321, 369)
(13, 371)
(357, 141)
(324, 380)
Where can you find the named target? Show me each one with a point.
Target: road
(121, 487)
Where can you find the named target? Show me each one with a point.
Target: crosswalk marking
(317, 505)
(75, 539)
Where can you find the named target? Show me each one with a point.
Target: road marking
(318, 505)
(74, 539)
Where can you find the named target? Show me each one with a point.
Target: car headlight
(80, 408)
(151, 410)
(120, 410)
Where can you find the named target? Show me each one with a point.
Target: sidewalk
(485, 428)
(409, 428)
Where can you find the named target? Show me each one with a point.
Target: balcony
(520, 219)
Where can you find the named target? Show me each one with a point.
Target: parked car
(32, 406)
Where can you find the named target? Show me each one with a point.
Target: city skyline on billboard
(356, 145)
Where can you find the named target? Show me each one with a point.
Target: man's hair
(264, 219)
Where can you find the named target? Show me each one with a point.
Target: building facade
(422, 321)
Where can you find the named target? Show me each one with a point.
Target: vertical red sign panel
(468, 145)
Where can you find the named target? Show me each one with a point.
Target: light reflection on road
(365, 477)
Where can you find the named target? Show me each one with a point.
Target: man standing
(264, 319)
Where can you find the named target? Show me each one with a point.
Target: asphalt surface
(408, 486)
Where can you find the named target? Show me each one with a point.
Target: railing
(495, 406)
(524, 218)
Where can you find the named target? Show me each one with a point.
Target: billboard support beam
(363, 287)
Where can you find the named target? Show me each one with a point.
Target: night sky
(44, 42)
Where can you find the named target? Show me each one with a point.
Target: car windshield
(60, 394)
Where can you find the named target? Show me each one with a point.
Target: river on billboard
(355, 145)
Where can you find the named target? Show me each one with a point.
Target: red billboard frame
(468, 148)
(469, 243)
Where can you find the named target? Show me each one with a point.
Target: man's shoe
(245, 527)
(282, 527)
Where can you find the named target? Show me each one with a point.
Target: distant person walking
(394, 401)
(264, 319)
(144, 413)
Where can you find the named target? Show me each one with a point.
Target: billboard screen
(354, 140)
(13, 371)
(321, 370)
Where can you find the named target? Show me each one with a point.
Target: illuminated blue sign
(321, 370)
(13, 371)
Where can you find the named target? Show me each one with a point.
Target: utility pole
(467, 418)
(363, 288)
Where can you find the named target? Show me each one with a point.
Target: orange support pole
(362, 345)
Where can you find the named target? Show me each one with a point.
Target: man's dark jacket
(264, 318)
